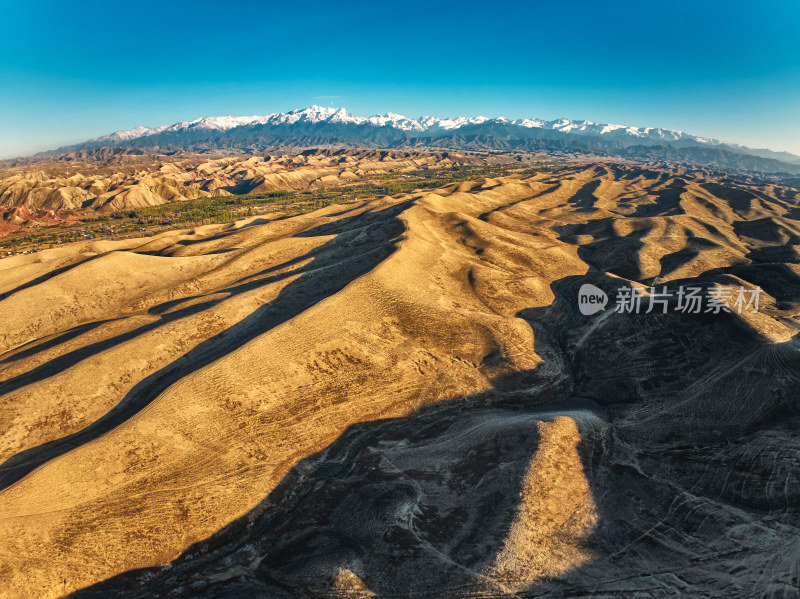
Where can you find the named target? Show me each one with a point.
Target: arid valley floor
(397, 395)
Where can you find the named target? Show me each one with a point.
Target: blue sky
(74, 70)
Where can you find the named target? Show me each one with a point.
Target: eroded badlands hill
(106, 180)
(400, 397)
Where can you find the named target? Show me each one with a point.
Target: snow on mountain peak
(426, 124)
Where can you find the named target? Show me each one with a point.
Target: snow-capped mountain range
(319, 126)
(425, 124)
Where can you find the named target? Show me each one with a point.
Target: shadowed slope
(536, 490)
(176, 381)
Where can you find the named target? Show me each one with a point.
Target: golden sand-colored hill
(400, 397)
(47, 192)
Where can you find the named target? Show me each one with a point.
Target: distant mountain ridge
(326, 126)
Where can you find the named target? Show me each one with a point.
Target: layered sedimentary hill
(107, 181)
(401, 397)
